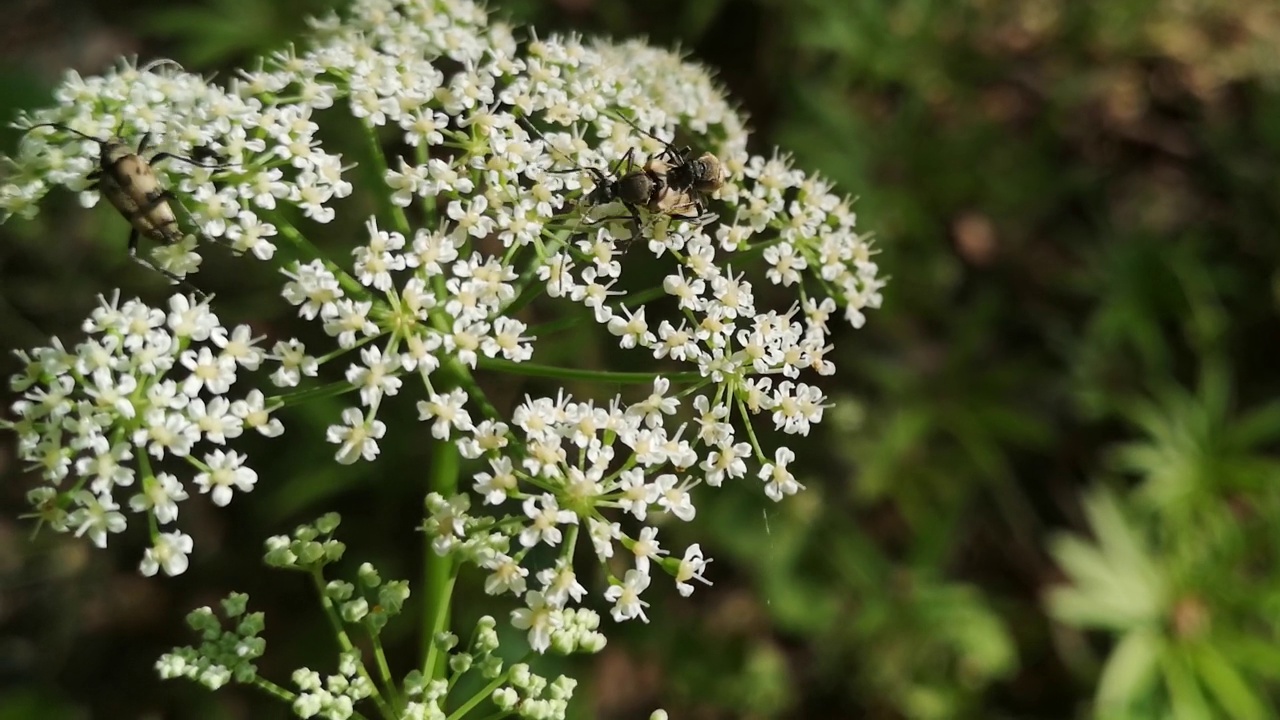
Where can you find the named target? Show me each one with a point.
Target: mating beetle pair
(673, 182)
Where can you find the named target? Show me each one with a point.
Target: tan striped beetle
(129, 183)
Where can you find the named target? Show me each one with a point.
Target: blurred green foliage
(1050, 486)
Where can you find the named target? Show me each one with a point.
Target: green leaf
(1185, 699)
(1224, 682)
(1115, 583)
(1130, 671)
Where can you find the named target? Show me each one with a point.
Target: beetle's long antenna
(524, 121)
(670, 148)
(65, 128)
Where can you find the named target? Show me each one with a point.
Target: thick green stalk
(438, 573)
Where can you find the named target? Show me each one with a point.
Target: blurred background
(1049, 488)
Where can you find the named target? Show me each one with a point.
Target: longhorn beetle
(627, 185)
(678, 200)
(129, 183)
(650, 184)
(691, 178)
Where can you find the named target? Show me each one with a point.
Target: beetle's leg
(628, 160)
(174, 279)
(168, 195)
(607, 218)
(635, 218)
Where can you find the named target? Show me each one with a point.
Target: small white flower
(253, 412)
(169, 554)
(241, 347)
(712, 429)
(497, 485)
(726, 461)
(193, 321)
(508, 339)
(646, 547)
(657, 404)
(547, 517)
(626, 597)
(107, 469)
(539, 618)
(778, 480)
(471, 220)
(376, 377)
(447, 521)
(348, 319)
(358, 437)
(110, 391)
(96, 516)
(313, 288)
(294, 363)
(692, 567)
(447, 411)
(674, 497)
(632, 328)
(226, 470)
(603, 535)
(560, 584)
(637, 494)
(489, 436)
(165, 432)
(216, 373)
(161, 497)
(507, 575)
(376, 261)
(215, 420)
(786, 264)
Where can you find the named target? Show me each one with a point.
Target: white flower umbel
(479, 137)
(145, 386)
(251, 152)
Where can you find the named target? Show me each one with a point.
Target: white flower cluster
(146, 386)
(266, 149)
(470, 100)
(489, 209)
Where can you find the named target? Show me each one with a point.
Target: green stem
(643, 297)
(436, 617)
(344, 641)
(475, 393)
(603, 376)
(309, 249)
(745, 413)
(635, 299)
(422, 155)
(377, 178)
(271, 688)
(529, 291)
(438, 573)
(479, 697)
(333, 389)
(384, 669)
